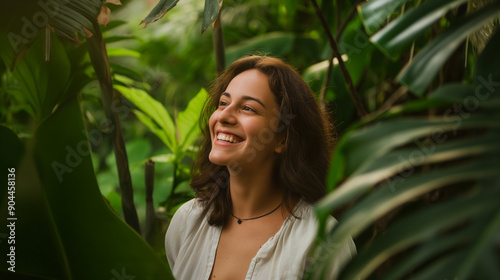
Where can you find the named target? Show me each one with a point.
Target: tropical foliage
(432, 178)
(99, 119)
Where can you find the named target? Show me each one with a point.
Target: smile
(228, 138)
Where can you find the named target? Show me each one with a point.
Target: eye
(247, 108)
(222, 103)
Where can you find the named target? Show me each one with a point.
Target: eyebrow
(246, 97)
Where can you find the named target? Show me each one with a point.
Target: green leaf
(115, 200)
(487, 267)
(469, 97)
(114, 24)
(488, 61)
(160, 133)
(413, 106)
(365, 145)
(122, 52)
(429, 249)
(11, 151)
(387, 197)
(210, 13)
(69, 18)
(402, 32)
(274, 43)
(405, 160)
(154, 110)
(58, 199)
(482, 242)
(357, 51)
(188, 120)
(159, 11)
(440, 268)
(164, 158)
(137, 150)
(41, 84)
(421, 225)
(419, 74)
(375, 13)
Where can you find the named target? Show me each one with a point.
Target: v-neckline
(216, 239)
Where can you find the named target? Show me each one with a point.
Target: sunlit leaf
(153, 110)
(160, 133)
(122, 52)
(188, 120)
(273, 44)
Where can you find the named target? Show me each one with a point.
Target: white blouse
(191, 245)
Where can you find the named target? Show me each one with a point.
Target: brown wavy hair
(302, 165)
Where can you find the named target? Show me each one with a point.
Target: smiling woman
(246, 111)
(266, 148)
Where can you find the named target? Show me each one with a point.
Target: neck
(254, 193)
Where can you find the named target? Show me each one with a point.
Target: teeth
(227, 138)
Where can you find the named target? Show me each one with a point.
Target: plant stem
(338, 6)
(99, 58)
(150, 210)
(358, 103)
(347, 19)
(218, 43)
(340, 29)
(175, 180)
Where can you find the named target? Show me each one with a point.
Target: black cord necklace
(241, 220)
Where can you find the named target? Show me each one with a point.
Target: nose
(227, 116)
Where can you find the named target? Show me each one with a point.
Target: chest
(238, 245)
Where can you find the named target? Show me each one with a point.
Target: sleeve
(176, 232)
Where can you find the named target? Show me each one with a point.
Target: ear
(280, 148)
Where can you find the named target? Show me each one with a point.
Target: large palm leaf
(60, 209)
(392, 166)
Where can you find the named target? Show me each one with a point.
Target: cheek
(262, 133)
(212, 121)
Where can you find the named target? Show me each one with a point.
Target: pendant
(239, 221)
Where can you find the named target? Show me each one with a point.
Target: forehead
(252, 83)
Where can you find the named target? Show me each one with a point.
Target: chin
(218, 159)
(225, 161)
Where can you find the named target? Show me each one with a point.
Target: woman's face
(243, 129)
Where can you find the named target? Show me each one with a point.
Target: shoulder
(187, 216)
(191, 207)
(301, 226)
(304, 215)
(185, 220)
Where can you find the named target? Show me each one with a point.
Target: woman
(262, 164)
